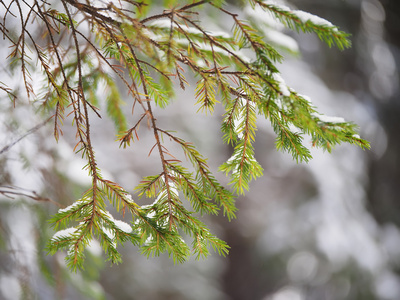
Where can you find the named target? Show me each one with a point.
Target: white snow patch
(108, 232)
(72, 206)
(123, 226)
(151, 215)
(149, 240)
(233, 157)
(282, 85)
(238, 121)
(305, 17)
(302, 15)
(305, 97)
(128, 198)
(64, 233)
(329, 119)
(277, 5)
(236, 125)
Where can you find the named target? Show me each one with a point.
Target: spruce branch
(87, 45)
(306, 22)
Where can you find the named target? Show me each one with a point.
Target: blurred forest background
(326, 230)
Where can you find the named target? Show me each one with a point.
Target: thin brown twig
(12, 191)
(81, 96)
(30, 131)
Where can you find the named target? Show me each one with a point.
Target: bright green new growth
(147, 52)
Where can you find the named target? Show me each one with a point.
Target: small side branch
(13, 191)
(30, 131)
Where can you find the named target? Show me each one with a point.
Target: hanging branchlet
(87, 45)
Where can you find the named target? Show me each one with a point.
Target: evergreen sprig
(120, 43)
(303, 21)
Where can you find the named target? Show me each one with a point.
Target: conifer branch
(106, 44)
